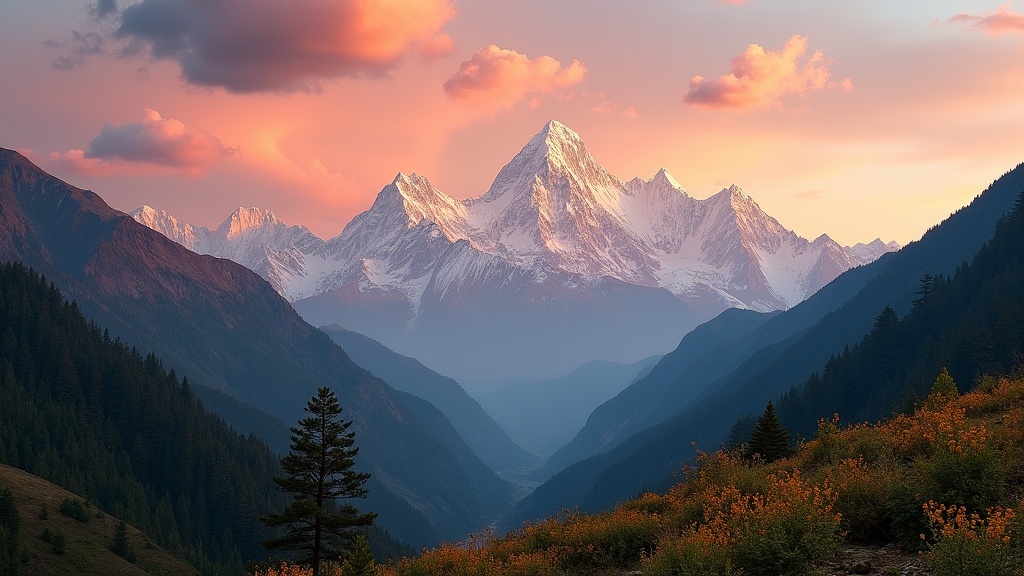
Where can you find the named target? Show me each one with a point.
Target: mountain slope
(971, 324)
(225, 327)
(88, 545)
(554, 232)
(488, 441)
(649, 456)
(712, 351)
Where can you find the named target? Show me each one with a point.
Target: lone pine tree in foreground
(769, 439)
(319, 468)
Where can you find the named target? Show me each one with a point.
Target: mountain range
(559, 262)
(243, 348)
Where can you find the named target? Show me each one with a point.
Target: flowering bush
(861, 492)
(969, 545)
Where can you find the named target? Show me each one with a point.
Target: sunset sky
(857, 119)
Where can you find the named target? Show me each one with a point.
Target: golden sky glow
(859, 120)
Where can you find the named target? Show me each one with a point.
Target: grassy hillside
(87, 546)
(947, 480)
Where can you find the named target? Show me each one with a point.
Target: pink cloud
(760, 78)
(1002, 21)
(283, 46)
(153, 142)
(504, 77)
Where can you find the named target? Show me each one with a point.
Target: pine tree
(360, 562)
(10, 523)
(319, 468)
(770, 439)
(122, 546)
(925, 289)
(943, 389)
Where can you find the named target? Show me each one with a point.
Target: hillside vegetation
(947, 480)
(82, 545)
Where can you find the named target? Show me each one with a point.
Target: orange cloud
(282, 46)
(760, 78)
(153, 142)
(504, 77)
(1002, 21)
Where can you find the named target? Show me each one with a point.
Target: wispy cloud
(1002, 21)
(77, 49)
(155, 141)
(501, 78)
(760, 78)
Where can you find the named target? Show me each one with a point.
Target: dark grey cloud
(282, 45)
(104, 9)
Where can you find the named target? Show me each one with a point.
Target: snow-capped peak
(189, 236)
(243, 220)
(872, 250)
(555, 157)
(664, 178)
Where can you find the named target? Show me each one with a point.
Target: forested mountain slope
(649, 457)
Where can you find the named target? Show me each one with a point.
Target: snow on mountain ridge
(551, 208)
(187, 235)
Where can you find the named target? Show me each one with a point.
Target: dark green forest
(971, 323)
(100, 419)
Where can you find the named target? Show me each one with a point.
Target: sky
(856, 119)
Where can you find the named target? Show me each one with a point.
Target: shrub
(74, 509)
(693, 554)
(613, 539)
(972, 479)
(57, 541)
(906, 522)
(788, 530)
(861, 492)
(968, 545)
(781, 531)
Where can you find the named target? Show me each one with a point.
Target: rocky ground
(873, 560)
(888, 560)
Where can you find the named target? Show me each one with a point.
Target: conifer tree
(770, 439)
(10, 523)
(123, 546)
(319, 468)
(943, 389)
(360, 562)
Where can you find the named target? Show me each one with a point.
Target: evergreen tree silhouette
(320, 473)
(770, 439)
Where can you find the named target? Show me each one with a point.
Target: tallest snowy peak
(559, 143)
(555, 153)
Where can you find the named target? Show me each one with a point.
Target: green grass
(88, 545)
